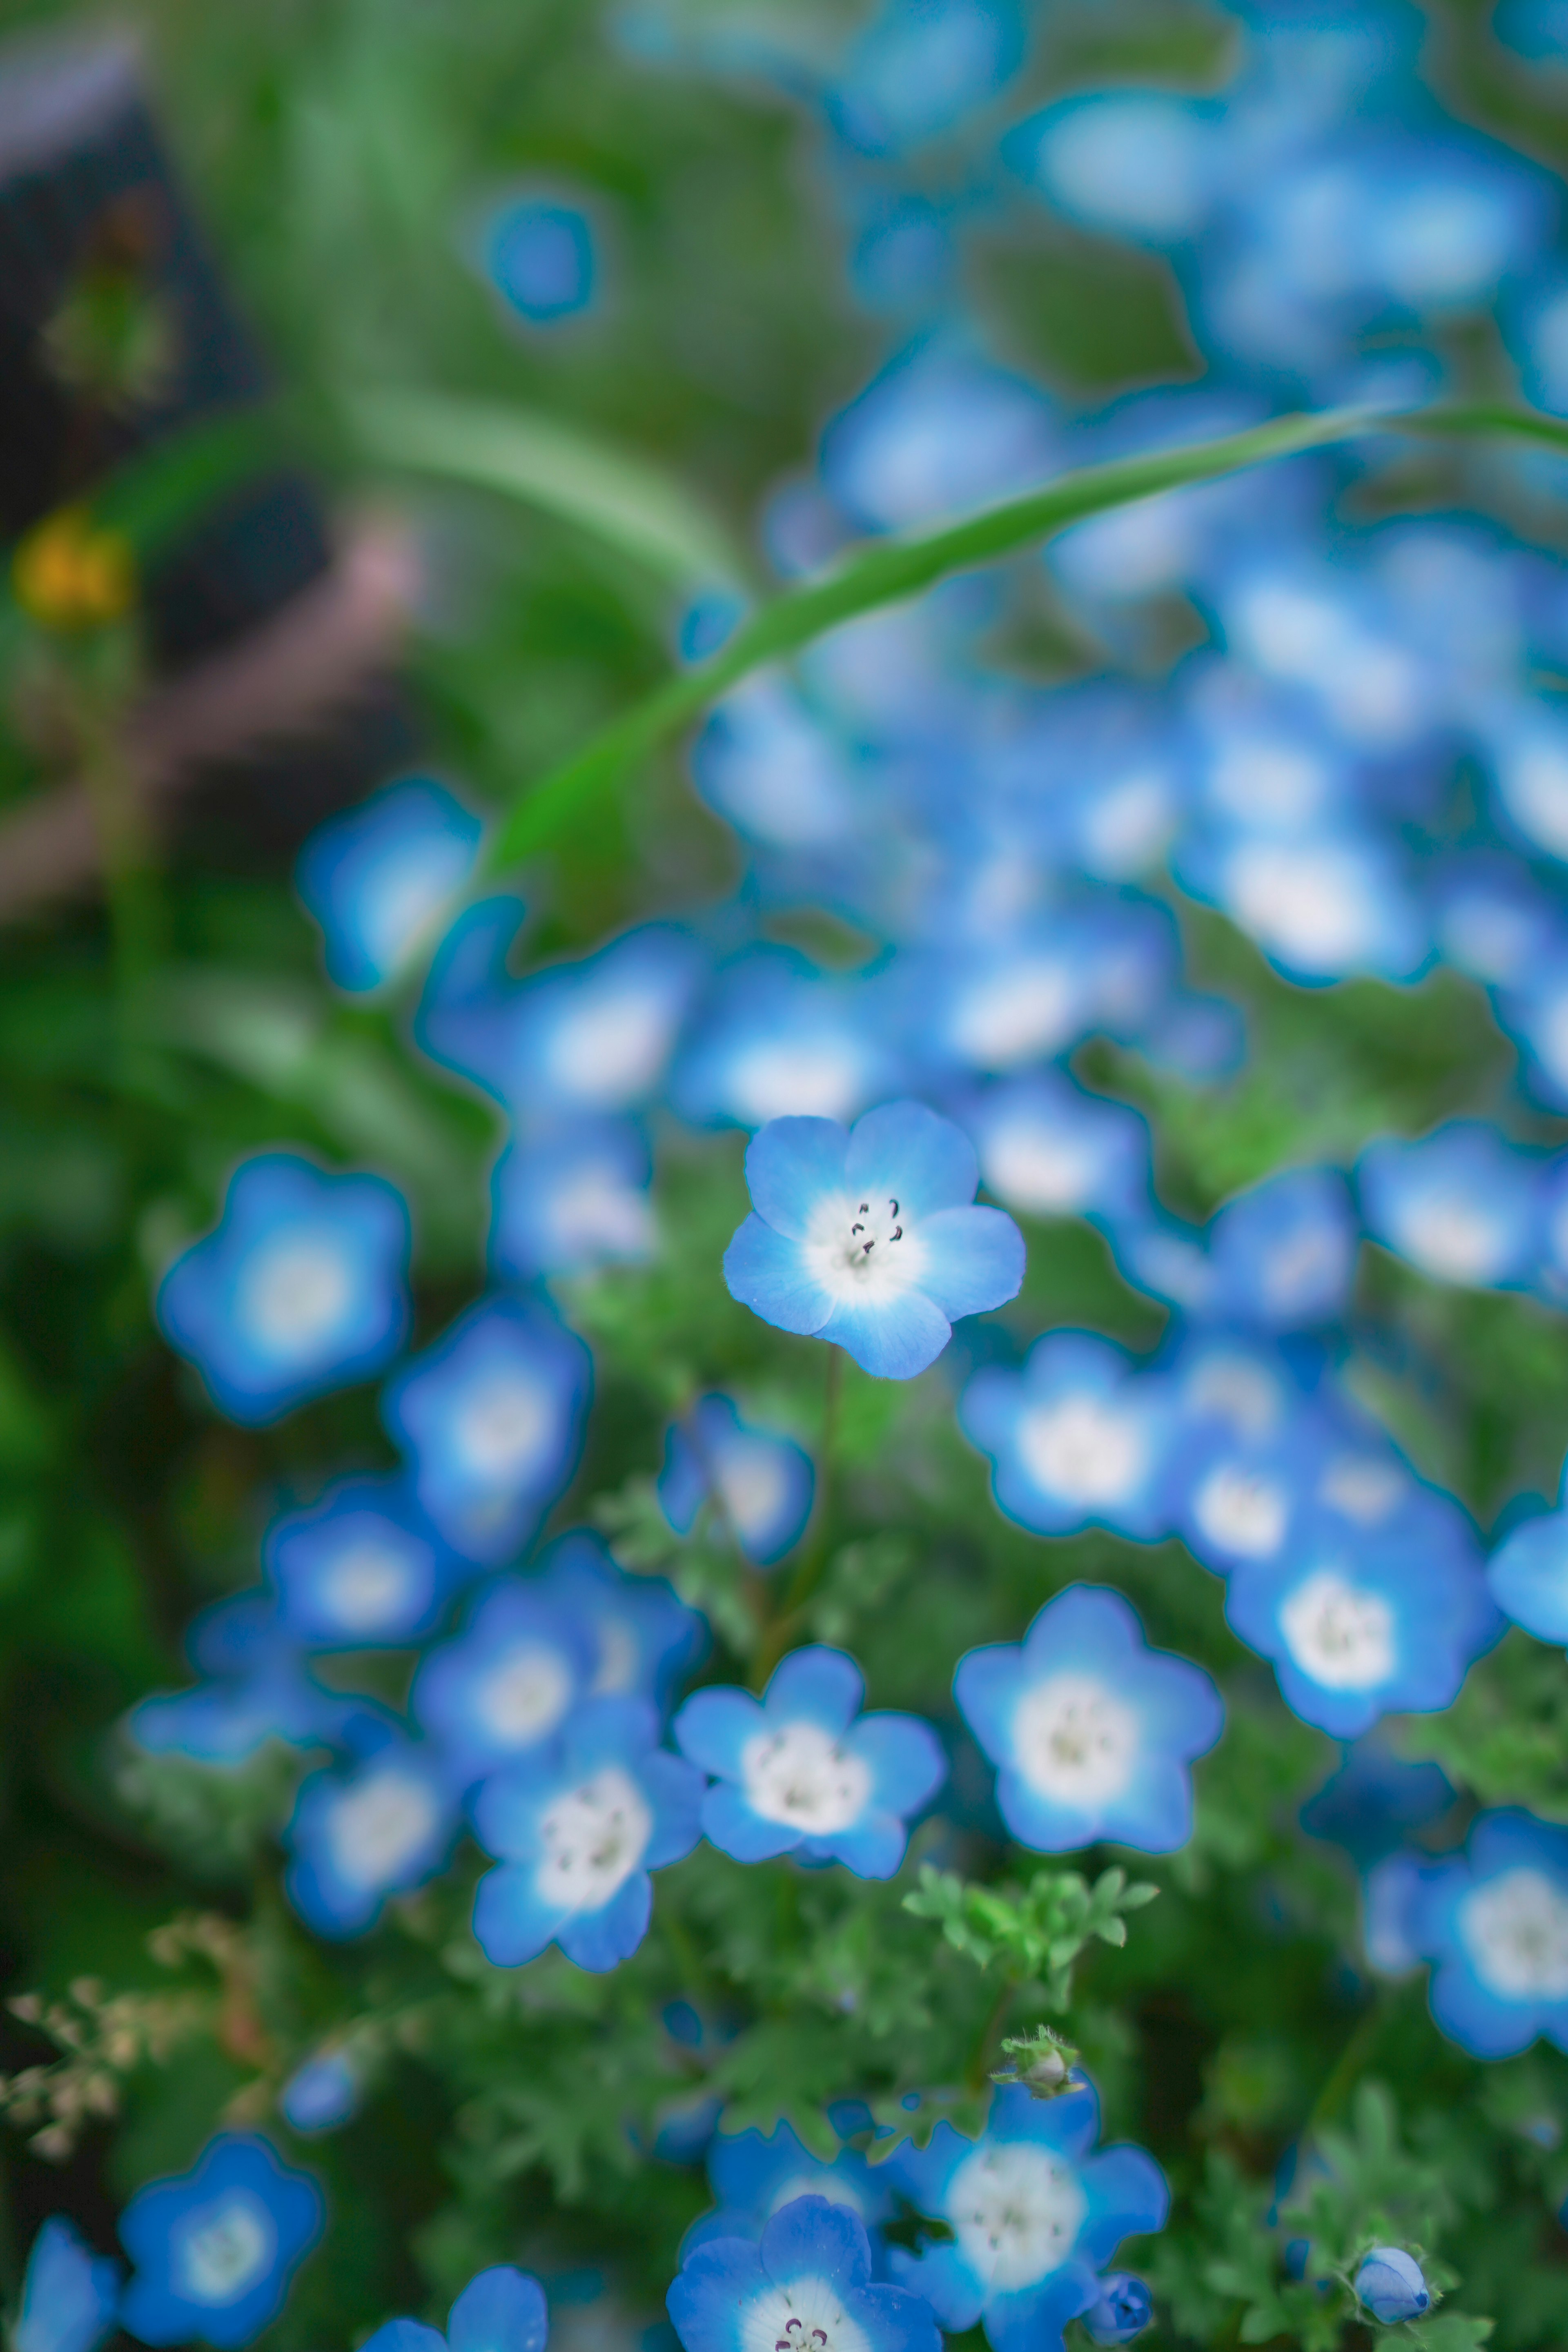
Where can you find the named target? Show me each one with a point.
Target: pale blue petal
(502, 2310)
(728, 1822)
(511, 1925)
(892, 1341)
(790, 1164)
(768, 1274)
(974, 1260)
(713, 1727)
(827, 1685)
(905, 1152)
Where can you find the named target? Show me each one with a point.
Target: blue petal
(791, 1164)
(905, 1755)
(906, 1152)
(714, 1725)
(502, 2310)
(872, 1847)
(675, 1790)
(728, 1822)
(986, 1684)
(405, 2335)
(769, 1274)
(815, 2238)
(943, 2280)
(892, 1340)
(974, 1260)
(708, 2301)
(512, 1923)
(68, 2295)
(1033, 2321)
(600, 1940)
(825, 1685)
(1128, 2197)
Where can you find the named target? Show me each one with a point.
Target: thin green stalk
(812, 1561)
(979, 2066)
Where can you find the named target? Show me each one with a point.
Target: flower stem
(813, 1560)
(980, 2055)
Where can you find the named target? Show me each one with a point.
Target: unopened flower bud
(1390, 2286)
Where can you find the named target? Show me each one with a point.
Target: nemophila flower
(804, 2286)
(320, 2095)
(802, 1771)
(300, 1287)
(1125, 2310)
(361, 1568)
(214, 2250)
(1239, 1496)
(755, 2174)
(1092, 1732)
(577, 1830)
(587, 1038)
(936, 433)
(1391, 1894)
(869, 1238)
(1048, 1150)
(539, 255)
(493, 1416)
(1462, 1204)
(70, 2295)
(258, 1689)
(761, 1484)
(1033, 2215)
(1528, 1574)
(1494, 1924)
(1135, 165)
(501, 2310)
(770, 767)
(1390, 2284)
(774, 1038)
(1359, 1629)
(380, 1826)
(1375, 1799)
(1283, 1253)
(506, 1683)
(1075, 1437)
(1321, 906)
(573, 1197)
(915, 71)
(643, 1638)
(377, 878)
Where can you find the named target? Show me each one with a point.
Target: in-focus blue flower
(1494, 1924)
(501, 2310)
(644, 1638)
(70, 2295)
(214, 2250)
(377, 878)
(320, 2095)
(869, 1239)
(381, 1826)
(1075, 1439)
(754, 2176)
(1048, 1150)
(577, 1830)
(573, 1197)
(1124, 2310)
(360, 1569)
(540, 257)
(493, 1415)
(762, 1484)
(300, 1287)
(802, 1771)
(1462, 1204)
(1034, 2216)
(806, 2283)
(1390, 2284)
(506, 1683)
(1092, 1732)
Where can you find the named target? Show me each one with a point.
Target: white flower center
(1450, 1237)
(1308, 906)
(611, 1049)
(1515, 1929)
(1241, 1511)
(375, 1830)
(750, 1478)
(862, 1247)
(1082, 1448)
(799, 1774)
(593, 1839)
(1361, 1487)
(403, 894)
(1052, 1174)
(1017, 1014)
(526, 1694)
(822, 1080)
(294, 1296)
(1238, 1390)
(363, 1585)
(222, 2249)
(620, 1658)
(1073, 1741)
(808, 2316)
(1342, 1636)
(598, 1211)
(502, 1425)
(1015, 2212)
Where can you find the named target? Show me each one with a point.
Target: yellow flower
(69, 574)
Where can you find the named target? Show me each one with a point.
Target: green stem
(979, 2065)
(131, 882)
(813, 1562)
(1340, 2079)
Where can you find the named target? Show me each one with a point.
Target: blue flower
(1390, 2284)
(300, 1287)
(1092, 1731)
(216, 2249)
(377, 878)
(1462, 1204)
(501, 2310)
(493, 1415)
(915, 71)
(806, 2283)
(577, 1830)
(1124, 2310)
(1130, 164)
(1074, 1439)
(869, 1238)
(1494, 1924)
(380, 1827)
(1048, 1150)
(320, 2095)
(770, 767)
(802, 1771)
(936, 433)
(540, 257)
(753, 2177)
(762, 1484)
(360, 1569)
(1374, 1798)
(1034, 2216)
(1528, 1574)
(574, 1197)
(1283, 1253)
(644, 1638)
(506, 1683)
(257, 1690)
(70, 2296)
(774, 1038)
(1362, 1629)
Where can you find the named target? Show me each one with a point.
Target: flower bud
(1124, 2309)
(1391, 2287)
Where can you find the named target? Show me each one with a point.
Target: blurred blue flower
(1374, 1798)
(1075, 1439)
(539, 255)
(806, 2283)
(1034, 2216)
(1536, 29)
(381, 1826)
(915, 69)
(643, 1638)
(1494, 1925)
(577, 1830)
(754, 2175)
(1092, 1732)
(1048, 1150)
(773, 1038)
(258, 1689)
(377, 878)
(321, 2094)
(1527, 1573)
(939, 431)
(70, 2295)
(301, 1287)
(1462, 1204)
(1134, 164)
(360, 1569)
(761, 1483)
(214, 2250)
(1125, 2310)
(501, 2310)
(1390, 2284)
(493, 1416)
(506, 1683)
(802, 1770)
(868, 1239)
(573, 1197)
(1283, 1253)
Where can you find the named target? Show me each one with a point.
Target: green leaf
(1452, 2331)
